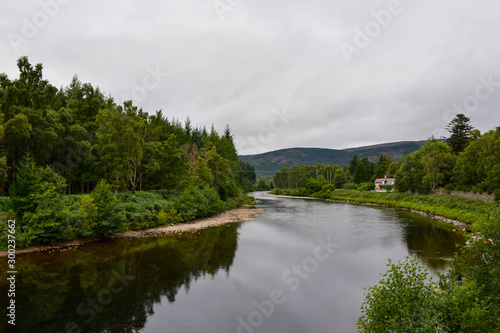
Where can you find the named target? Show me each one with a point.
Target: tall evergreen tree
(461, 131)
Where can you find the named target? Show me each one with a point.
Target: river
(299, 268)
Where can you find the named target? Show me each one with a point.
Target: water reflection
(430, 239)
(113, 286)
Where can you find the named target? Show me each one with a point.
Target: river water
(299, 268)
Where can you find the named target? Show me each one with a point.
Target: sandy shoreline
(230, 216)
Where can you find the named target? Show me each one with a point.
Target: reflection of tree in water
(52, 287)
(430, 239)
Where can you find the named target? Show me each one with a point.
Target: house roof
(380, 180)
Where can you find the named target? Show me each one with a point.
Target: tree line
(86, 136)
(78, 140)
(467, 161)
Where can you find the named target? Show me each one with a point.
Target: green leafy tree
(17, 135)
(108, 217)
(460, 130)
(165, 164)
(281, 178)
(428, 168)
(477, 165)
(121, 137)
(246, 175)
(49, 222)
(353, 163)
(402, 302)
(36, 199)
(342, 176)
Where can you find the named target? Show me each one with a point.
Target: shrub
(350, 186)
(403, 302)
(109, 218)
(328, 187)
(367, 187)
(450, 187)
(49, 222)
(388, 188)
(313, 185)
(88, 217)
(171, 217)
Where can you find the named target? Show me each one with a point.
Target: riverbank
(461, 212)
(245, 213)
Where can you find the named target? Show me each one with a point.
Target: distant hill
(267, 164)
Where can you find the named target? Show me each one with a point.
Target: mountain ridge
(266, 164)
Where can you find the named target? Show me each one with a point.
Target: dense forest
(469, 161)
(78, 141)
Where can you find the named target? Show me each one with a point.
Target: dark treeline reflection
(429, 239)
(113, 286)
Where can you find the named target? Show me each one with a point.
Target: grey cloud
(280, 54)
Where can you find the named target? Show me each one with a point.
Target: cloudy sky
(283, 73)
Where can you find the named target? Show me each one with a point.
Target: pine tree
(461, 131)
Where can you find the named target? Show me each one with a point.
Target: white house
(383, 181)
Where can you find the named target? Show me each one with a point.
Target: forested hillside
(266, 164)
(78, 140)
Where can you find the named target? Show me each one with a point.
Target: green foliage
(460, 130)
(402, 302)
(388, 188)
(464, 309)
(247, 176)
(367, 187)
(479, 163)
(79, 133)
(88, 217)
(426, 169)
(328, 187)
(313, 185)
(350, 186)
(109, 217)
(48, 223)
(195, 203)
(170, 217)
(36, 200)
(406, 301)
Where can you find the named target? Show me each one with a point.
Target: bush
(388, 188)
(88, 217)
(168, 218)
(49, 222)
(109, 218)
(403, 302)
(367, 187)
(194, 203)
(328, 187)
(450, 187)
(313, 185)
(350, 186)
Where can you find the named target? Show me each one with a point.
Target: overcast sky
(283, 73)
